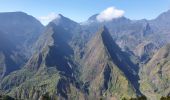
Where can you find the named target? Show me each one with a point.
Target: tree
(165, 98)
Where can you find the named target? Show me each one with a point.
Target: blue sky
(81, 10)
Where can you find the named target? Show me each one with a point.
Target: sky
(81, 10)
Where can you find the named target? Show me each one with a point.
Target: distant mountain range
(121, 59)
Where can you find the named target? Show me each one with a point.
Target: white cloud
(46, 19)
(109, 14)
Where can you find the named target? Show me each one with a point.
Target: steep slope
(107, 70)
(19, 32)
(49, 71)
(155, 80)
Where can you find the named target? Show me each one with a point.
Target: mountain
(19, 26)
(21, 29)
(117, 59)
(142, 37)
(65, 22)
(18, 33)
(50, 70)
(161, 23)
(107, 69)
(127, 33)
(55, 69)
(154, 75)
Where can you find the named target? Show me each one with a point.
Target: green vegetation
(67, 65)
(165, 98)
(155, 78)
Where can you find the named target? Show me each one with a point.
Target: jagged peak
(100, 38)
(103, 31)
(62, 19)
(107, 38)
(104, 40)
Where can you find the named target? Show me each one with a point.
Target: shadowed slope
(105, 66)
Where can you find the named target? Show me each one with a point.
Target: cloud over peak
(51, 16)
(109, 14)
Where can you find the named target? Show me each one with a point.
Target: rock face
(155, 78)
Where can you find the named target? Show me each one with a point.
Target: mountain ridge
(68, 60)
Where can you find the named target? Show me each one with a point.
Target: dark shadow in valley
(62, 88)
(60, 53)
(107, 78)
